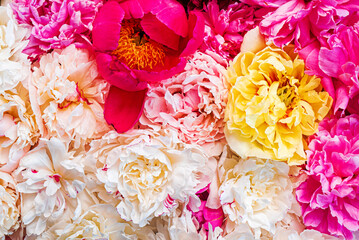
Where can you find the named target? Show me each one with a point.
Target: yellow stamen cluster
(136, 49)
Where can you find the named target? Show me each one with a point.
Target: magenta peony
(206, 215)
(56, 24)
(225, 28)
(338, 64)
(305, 21)
(139, 42)
(330, 196)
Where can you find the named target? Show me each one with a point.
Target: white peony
(255, 191)
(100, 221)
(49, 179)
(14, 66)
(68, 94)
(285, 234)
(148, 171)
(9, 205)
(18, 127)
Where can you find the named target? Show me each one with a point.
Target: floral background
(164, 119)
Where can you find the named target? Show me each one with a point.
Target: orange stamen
(136, 49)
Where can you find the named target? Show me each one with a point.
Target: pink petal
(331, 61)
(132, 9)
(196, 33)
(118, 74)
(148, 5)
(342, 98)
(158, 76)
(159, 32)
(107, 27)
(123, 108)
(172, 15)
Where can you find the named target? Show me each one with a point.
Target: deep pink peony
(337, 62)
(207, 214)
(330, 196)
(138, 42)
(56, 24)
(192, 103)
(225, 28)
(305, 21)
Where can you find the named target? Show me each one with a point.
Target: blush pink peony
(192, 103)
(330, 196)
(56, 24)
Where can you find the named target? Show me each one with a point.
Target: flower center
(287, 94)
(136, 49)
(79, 96)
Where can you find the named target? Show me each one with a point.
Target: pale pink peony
(56, 24)
(330, 196)
(225, 28)
(192, 103)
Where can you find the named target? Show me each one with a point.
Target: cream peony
(305, 235)
(100, 221)
(14, 66)
(50, 178)
(255, 191)
(9, 205)
(148, 171)
(18, 128)
(67, 94)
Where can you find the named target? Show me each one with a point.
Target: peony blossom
(207, 216)
(18, 127)
(225, 28)
(99, 221)
(10, 205)
(49, 179)
(254, 191)
(272, 105)
(329, 197)
(191, 103)
(235, 231)
(56, 24)
(305, 21)
(67, 95)
(139, 42)
(338, 64)
(14, 67)
(149, 172)
(305, 235)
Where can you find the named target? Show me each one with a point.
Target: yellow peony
(272, 104)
